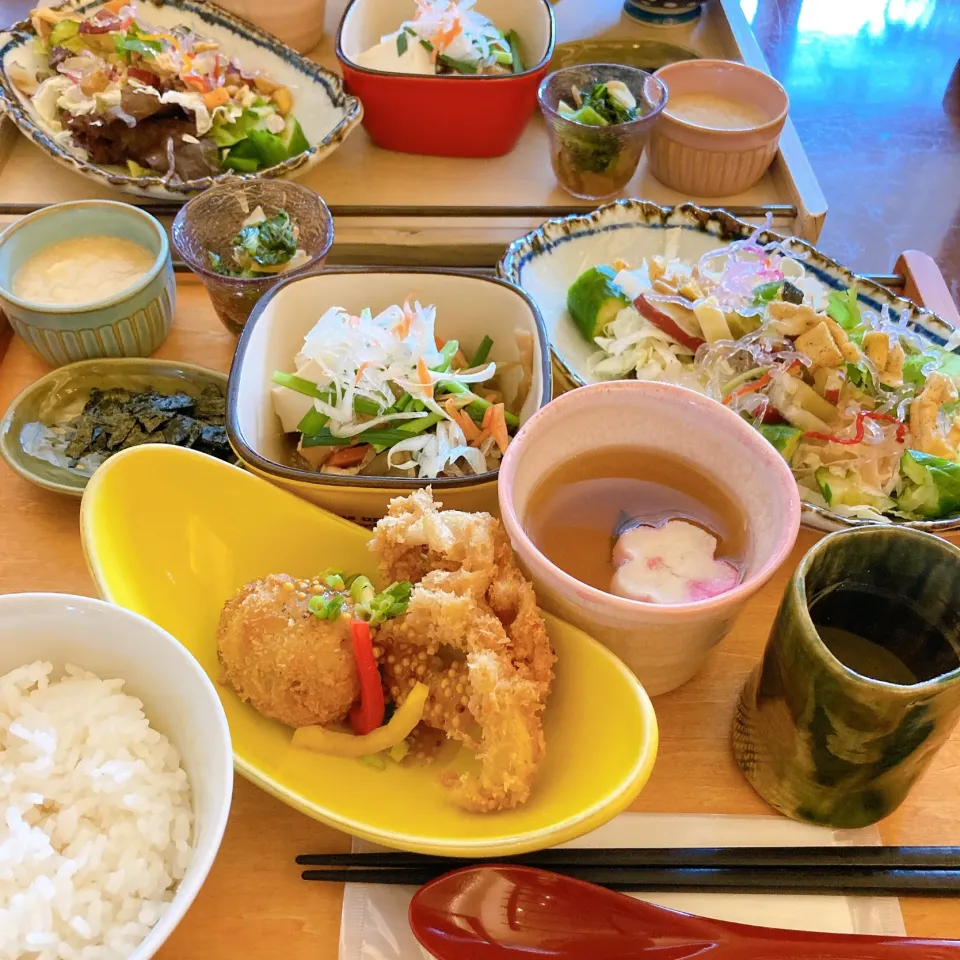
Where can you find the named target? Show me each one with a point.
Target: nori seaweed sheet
(116, 419)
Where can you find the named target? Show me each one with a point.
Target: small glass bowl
(210, 221)
(595, 163)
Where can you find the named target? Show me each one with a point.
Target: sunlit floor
(875, 96)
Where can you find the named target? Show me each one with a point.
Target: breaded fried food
(288, 664)
(473, 633)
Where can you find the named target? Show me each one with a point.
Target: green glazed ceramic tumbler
(823, 743)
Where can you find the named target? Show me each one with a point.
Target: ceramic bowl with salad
(857, 388)
(243, 237)
(350, 388)
(161, 99)
(599, 118)
(455, 78)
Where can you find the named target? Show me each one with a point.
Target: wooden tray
(254, 905)
(457, 212)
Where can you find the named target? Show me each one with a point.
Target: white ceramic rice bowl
(178, 698)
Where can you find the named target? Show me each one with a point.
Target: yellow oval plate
(172, 534)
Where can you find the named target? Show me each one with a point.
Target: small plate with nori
(100, 407)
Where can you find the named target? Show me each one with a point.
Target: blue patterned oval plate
(546, 262)
(224, 51)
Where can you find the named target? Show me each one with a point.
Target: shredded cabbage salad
(863, 407)
(446, 37)
(383, 395)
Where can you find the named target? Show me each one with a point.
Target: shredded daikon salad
(383, 395)
(862, 406)
(446, 37)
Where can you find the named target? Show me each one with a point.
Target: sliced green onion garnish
(483, 352)
(461, 66)
(514, 41)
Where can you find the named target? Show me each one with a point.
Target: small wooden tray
(455, 212)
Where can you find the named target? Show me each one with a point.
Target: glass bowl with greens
(243, 236)
(599, 117)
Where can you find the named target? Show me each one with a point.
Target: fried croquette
(288, 664)
(473, 633)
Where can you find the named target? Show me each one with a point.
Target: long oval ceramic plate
(546, 261)
(61, 394)
(172, 534)
(326, 114)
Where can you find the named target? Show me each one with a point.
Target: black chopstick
(830, 880)
(890, 858)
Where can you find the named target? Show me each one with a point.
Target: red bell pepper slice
(369, 713)
(858, 435)
(666, 323)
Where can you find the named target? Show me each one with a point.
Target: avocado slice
(784, 438)
(845, 491)
(594, 300)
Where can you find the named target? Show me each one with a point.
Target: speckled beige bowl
(702, 161)
(664, 645)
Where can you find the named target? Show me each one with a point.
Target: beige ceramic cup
(664, 645)
(702, 161)
(298, 23)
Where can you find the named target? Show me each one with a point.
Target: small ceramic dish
(297, 23)
(326, 114)
(546, 261)
(208, 224)
(178, 699)
(468, 308)
(644, 54)
(212, 528)
(702, 160)
(61, 395)
(132, 323)
(594, 162)
(663, 644)
(664, 13)
(447, 116)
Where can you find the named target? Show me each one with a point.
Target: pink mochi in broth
(672, 563)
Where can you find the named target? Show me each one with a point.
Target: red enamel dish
(446, 116)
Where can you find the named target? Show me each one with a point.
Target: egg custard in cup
(88, 279)
(647, 515)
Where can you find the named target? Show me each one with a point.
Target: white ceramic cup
(664, 645)
(178, 699)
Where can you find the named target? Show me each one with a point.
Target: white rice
(97, 819)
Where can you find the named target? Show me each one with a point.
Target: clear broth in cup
(584, 504)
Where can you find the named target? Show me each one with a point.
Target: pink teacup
(664, 644)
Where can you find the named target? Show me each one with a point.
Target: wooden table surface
(254, 905)
(875, 91)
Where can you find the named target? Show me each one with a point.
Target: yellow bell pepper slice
(335, 744)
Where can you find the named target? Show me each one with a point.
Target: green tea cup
(860, 682)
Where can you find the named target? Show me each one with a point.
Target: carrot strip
(424, 374)
(462, 419)
(748, 388)
(498, 427)
(348, 456)
(487, 416)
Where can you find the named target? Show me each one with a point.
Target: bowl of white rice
(116, 774)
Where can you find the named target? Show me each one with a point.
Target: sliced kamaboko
(672, 563)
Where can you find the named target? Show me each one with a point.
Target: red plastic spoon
(507, 912)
